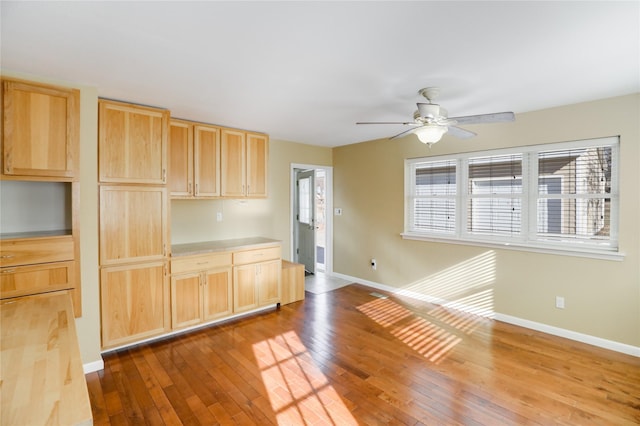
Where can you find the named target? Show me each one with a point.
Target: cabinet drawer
(200, 262)
(24, 280)
(258, 255)
(35, 250)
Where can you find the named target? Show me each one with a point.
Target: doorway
(311, 218)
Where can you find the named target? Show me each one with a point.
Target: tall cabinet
(39, 241)
(134, 225)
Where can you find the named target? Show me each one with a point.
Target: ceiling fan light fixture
(430, 134)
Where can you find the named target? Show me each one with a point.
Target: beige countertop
(221, 245)
(41, 375)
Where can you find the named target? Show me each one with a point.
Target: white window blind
(495, 195)
(434, 196)
(574, 194)
(556, 196)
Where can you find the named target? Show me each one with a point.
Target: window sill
(593, 254)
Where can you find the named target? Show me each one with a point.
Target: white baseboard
(556, 331)
(90, 367)
(572, 335)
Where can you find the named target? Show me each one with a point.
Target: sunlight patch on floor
(429, 340)
(299, 392)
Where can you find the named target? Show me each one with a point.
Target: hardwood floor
(350, 357)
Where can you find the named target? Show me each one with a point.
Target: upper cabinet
(41, 128)
(194, 158)
(132, 143)
(257, 160)
(233, 153)
(244, 164)
(180, 180)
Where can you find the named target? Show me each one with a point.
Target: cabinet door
(180, 159)
(186, 303)
(207, 161)
(217, 294)
(132, 143)
(257, 160)
(233, 163)
(269, 282)
(133, 224)
(41, 130)
(134, 302)
(24, 280)
(244, 288)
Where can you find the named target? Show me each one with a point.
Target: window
(553, 196)
(304, 200)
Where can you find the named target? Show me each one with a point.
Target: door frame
(328, 260)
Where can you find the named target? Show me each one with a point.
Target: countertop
(188, 249)
(41, 375)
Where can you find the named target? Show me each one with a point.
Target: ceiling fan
(431, 121)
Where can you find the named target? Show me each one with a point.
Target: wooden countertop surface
(221, 245)
(41, 376)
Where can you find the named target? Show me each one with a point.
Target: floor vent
(378, 295)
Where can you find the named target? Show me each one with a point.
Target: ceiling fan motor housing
(430, 110)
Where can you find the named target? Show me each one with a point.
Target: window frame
(529, 240)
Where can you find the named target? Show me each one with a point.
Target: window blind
(494, 205)
(434, 196)
(574, 194)
(554, 196)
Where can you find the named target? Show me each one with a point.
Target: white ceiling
(307, 71)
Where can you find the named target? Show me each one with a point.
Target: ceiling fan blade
(497, 117)
(460, 133)
(406, 132)
(406, 123)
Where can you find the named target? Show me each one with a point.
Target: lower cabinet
(33, 265)
(135, 302)
(139, 301)
(200, 288)
(33, 279)
(256, 283)
(200, 296)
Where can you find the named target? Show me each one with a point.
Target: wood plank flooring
(350, 357)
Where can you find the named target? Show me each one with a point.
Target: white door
(305, 220)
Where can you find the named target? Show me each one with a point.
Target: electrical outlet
(219, 216)
(374, 264)
(559, 302)
(338, 211)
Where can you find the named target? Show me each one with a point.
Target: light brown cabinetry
(194, 153)
(257, 160)
(36, 265)
(201, 289)
(132, 143)
(32, 279)
(135, 302)
(244, 159)
(133, 224)
(292, 288)
(256, 278)
(40, 152)
(41, 130)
